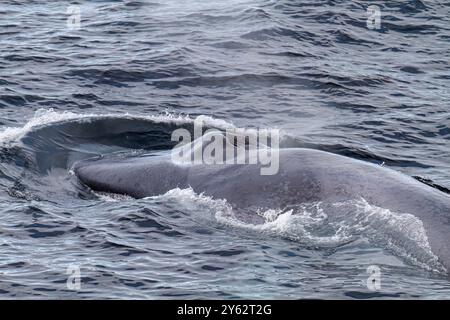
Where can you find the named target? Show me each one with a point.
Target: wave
(49, 117)
(35, 159)
(319, 225)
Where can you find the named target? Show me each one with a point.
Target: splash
(47, 117)
(112, 197)
(321, 225)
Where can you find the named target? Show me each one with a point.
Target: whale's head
(137, 177)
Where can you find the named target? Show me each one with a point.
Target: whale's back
(304, 176)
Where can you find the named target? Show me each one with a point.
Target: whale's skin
(304, 175)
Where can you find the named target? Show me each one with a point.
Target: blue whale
(304, 175)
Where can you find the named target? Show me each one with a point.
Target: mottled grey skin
(305, 175)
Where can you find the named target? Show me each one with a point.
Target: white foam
(323, 225)
(298, 225)
(402, 233)
(112, 197)
(44, 117)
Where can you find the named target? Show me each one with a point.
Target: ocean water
(133, 71)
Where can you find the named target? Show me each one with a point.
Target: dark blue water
(136, 70)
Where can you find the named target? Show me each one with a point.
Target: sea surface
(133, 71)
